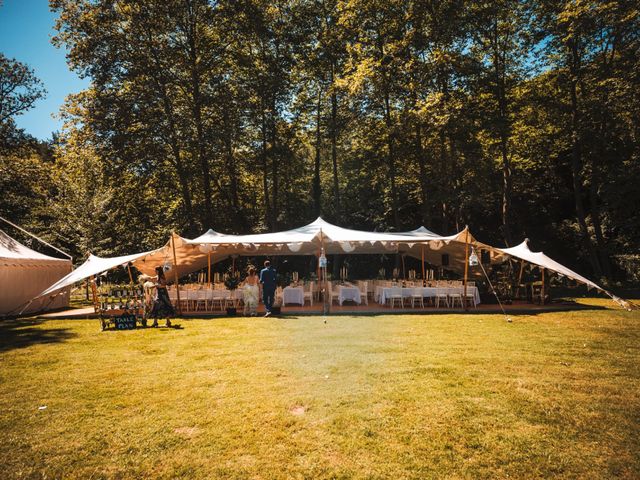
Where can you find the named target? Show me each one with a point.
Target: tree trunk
(503, 125)
(183, 178)
(265, 172)
(576, 161)
(445, 191)
(275, 179)
(391, 162)
(240, 220)
(334, 142)
(426, 215)
(597, 225)
(201, 151)
(317, 193)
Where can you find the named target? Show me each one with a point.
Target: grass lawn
(552, 395)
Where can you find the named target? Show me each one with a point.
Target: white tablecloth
(293, 295)
(383, 293)
(225, 294)
(348, 293)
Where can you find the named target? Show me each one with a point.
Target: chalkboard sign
(125, 322)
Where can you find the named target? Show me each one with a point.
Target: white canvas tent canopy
(92, 266)
(191, 255)
(24, 273)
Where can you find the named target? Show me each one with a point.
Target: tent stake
(175, 270)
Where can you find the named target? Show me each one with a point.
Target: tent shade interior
(24, 273)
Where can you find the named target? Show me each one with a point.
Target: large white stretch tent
(194, 254)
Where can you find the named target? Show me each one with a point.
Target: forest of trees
(518, 118)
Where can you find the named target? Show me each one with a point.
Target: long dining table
(383, 293)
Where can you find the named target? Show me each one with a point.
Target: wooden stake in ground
(175, 270)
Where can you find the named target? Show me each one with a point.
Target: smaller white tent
(24, 273)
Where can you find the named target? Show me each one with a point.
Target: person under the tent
(268, 281)
(251, 292)
(162, 305)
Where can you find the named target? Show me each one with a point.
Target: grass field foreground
(552, 395)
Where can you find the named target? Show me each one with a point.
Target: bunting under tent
(24, 273)
(181, 256)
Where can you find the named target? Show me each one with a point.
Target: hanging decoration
(473, 258)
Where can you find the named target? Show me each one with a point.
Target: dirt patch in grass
(187, 432)
(298, 410)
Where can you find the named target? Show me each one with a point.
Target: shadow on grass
(510, 310)
(16, 334)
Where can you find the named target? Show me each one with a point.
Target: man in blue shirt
(268, 281)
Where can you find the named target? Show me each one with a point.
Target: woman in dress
(251, 293)
(162, 305)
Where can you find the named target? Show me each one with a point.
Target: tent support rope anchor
(507, 318)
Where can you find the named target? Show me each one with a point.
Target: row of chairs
(204, 300)
(450, 300)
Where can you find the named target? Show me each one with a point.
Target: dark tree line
(518, 118)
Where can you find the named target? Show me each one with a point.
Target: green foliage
(516, 118)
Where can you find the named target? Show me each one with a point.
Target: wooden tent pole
(542, 289)
(466, 266)
(325, 308)
(175, 271)
(135, 293)
(520, 279)
(423, 271)
(130, 276)
(94, 291)
(209, 267)
(404, 272)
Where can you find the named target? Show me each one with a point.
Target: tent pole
(520, 279)
(135, 294)
(209, 268)
(542, 289)
(130, 276)
(424, 280)
(323, 271)
(175, 271)
(404, 272)
(466, 266)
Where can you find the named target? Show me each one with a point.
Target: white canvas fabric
(308, 240)
(24, 273)
(523, 252)
(93, 266)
